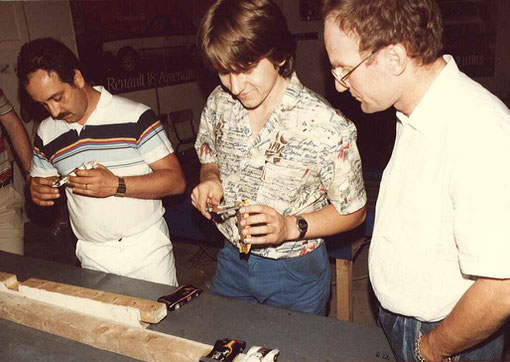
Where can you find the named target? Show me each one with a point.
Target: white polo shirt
(444, 203)
(124, 136)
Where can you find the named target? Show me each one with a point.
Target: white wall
(13, 34)
(22, 21)
(50, 19)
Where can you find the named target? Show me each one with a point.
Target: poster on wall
(470, 34)
(129, 45)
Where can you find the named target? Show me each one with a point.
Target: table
(299, 336)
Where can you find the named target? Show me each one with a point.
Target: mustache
(61, 115)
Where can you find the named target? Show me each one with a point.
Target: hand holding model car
(257, 224)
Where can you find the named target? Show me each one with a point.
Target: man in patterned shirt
(115, 208)
(266, 139)
(11, 214)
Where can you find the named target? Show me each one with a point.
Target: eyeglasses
(342, 79)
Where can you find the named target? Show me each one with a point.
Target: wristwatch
(302, 226)
(121, 189)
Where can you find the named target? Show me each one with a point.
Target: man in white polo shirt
(439, 253)
(115, 208)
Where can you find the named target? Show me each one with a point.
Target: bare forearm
(166, 179)
(482, 310)
(209, 172)
(156, 185)
(18, 137)
(328, 221)
(265, 225)
(325, 222)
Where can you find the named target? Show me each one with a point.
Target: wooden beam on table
(121, 308)
(104, 334)
(8, 282)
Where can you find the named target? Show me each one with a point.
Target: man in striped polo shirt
(115, 208)
(11, 214)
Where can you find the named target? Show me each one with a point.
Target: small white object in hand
(84, 166)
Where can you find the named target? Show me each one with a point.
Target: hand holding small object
(84, 166)
(42, 190)
(264, 225)
(207, 195)
(96, 182)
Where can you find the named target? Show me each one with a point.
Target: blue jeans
(402, 332)
(300, 284)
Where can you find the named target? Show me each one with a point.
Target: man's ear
(79, 81)
(396, 58)
(278, 65)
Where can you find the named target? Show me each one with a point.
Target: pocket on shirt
(283, 182)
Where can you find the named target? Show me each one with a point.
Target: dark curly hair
(236, 34)
(416, 24)
(47, 54)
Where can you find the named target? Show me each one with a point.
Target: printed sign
(470, 34)
(129, 45)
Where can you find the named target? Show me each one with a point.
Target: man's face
(255, 86)
(60, 99)
(366, 83)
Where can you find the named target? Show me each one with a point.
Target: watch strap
(121, 189)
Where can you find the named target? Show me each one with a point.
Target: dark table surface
(298, 336)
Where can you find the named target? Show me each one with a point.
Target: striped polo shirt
(124, 136)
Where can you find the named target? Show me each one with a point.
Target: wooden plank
(344, 289)
(120, 308)
(8, 282)
(130, 341)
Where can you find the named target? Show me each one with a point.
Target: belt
(5, 182)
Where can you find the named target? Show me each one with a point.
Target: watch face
(302, 224)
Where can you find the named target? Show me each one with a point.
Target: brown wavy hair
(416, 24)
(235, 35)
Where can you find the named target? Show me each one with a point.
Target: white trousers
(11, 221)
(147, 255)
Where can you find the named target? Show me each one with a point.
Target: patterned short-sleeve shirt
(304, 158)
